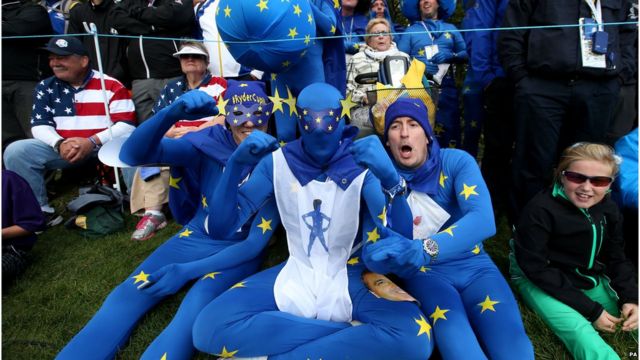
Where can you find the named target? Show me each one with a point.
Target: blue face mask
(321, 145)
(326, 120)
(238, 114)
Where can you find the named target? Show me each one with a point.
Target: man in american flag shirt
(68, 120)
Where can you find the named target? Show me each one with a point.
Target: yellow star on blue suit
(443, 177)
(164, 356)
(383, 216)
(425, 328)
(291, 101)
(297, 10)
(173, 182)
(447, 35)
(262, 4)
(221, 105)
(487, 304)
(293, 32)
(468, 191)
(347, 104)
(373, 235)
(204, 202)
(424, 269)
(238, 285)
(227, 11)
(225, 354)
(476, 250)
(438, 314)
(333, 29)
(265, 225)
(354, 260)
(449, 230)
(141, 277)
(421, 52)
(211, 275)
(277, 102)
(310, 18)
(307, 39)
(185, 233)
(336, 4)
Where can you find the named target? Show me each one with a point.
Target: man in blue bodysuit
(435, 42)
(192, 254)
(473, 311)
(302, 308)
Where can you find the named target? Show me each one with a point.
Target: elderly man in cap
(68, 120)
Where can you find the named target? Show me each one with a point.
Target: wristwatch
(398, 189)
(56, 146)
(431, 247)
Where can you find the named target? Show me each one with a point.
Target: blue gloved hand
(370, 153)
(166, 281)
(443, 56)
(193, 105)
(351, 47)
(431, 68)
(395, 254)
(254, 147)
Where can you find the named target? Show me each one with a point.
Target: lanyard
(596, 11)
(428, 32)
(350, 29)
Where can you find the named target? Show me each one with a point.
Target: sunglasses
(577, 178)
(192, 56)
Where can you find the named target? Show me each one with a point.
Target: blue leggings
(473, 311)
(245, 321)
(111, 326)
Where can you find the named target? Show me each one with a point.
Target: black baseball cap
(66, 46)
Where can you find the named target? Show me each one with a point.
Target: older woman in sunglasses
(568, 259)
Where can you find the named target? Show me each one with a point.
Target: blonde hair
(588, 151)
(195, 44)
(373, 22)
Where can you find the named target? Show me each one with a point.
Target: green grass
(70, 276)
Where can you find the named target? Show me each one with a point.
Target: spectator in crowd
(438, 44)
(68, 120)
(565, 91)
(21, 220)
(151, 190)
(224, 65)
(192, 253)
(626, 192)
(444, 265)
(22, 65)
(487, 97)
(380, 9)
(320, 193)
(568, 260)
(379, 44)
(112, 49)
(354, 24)
(151, 61)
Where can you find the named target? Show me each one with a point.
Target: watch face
(430, 247)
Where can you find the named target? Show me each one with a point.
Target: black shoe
(52, 219)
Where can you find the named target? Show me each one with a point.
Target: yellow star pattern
(336, 4)
(476, 250)
(307, 39)
(274, 76)
(425, 328)
(262, 4)
(286, 63)
(282, 143)
(142, 277)
(487, 304)
(244, 85)
(474, 124)
(265, 225)
(173, 182)
(333, 29)
(443, 177)
(238, 285)
(310, 18)
(293, 32)
(222, 103)
(297, 10)
(468, 191)
(354, 260)
(204, 202)
(449, 230)
(291, 101)
(226, 354)
(164, 356)
(227, 11)
(277, 102)
(185, 233)
(211, 275)
(383, 216)
(424, 269)
(421, 52)
(373, 235)
(438, 314)
(347, 104)
(447, 35)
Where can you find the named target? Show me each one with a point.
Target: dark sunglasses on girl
(577, 178)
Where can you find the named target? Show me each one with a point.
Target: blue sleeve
(147, 144)
(237, 204)
(459, 47)
(324, 16)
(475, 221)
(627, 181)
(482, 44)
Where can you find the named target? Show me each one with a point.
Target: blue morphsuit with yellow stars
(467, 300)
(192, 254)
(314, 305)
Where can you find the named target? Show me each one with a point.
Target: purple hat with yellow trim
(247, 100)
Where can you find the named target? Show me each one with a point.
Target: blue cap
(410, 107)
(247, 100)
(319, 106)
(66, 46)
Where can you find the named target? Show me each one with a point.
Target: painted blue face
(326, 119)
(238, 114)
